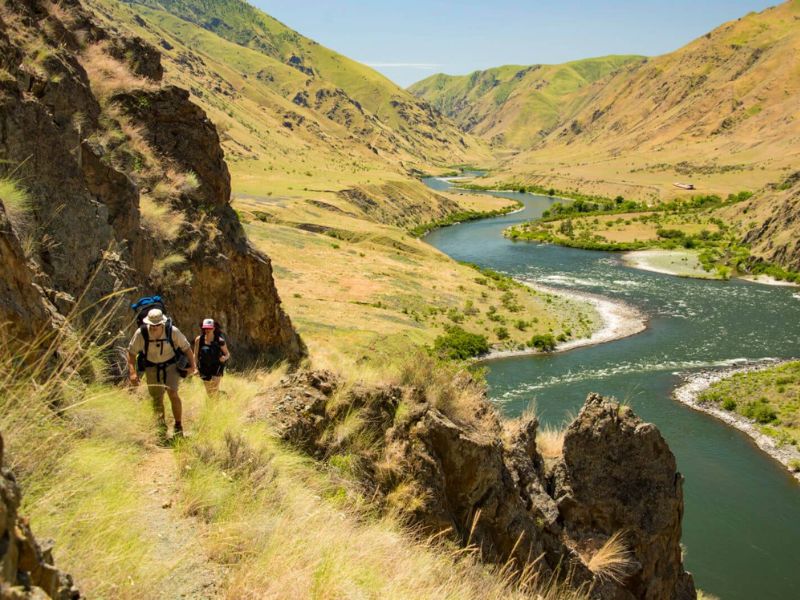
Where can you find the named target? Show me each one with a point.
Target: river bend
(741, 529)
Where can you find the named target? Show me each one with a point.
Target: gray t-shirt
(159, 349)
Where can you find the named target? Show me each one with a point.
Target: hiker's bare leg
(156, 391)
(177, 407)
(212, 386)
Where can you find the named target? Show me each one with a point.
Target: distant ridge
(517, 105)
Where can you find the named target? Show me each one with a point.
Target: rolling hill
(516, 106)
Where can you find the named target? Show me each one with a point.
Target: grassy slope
(372, 292)
(516, 106)
(771, 397)
(254, 519)
(718, 112)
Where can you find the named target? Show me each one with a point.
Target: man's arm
(192, 363)
(180, 341)
(133, 376)
(130, 355)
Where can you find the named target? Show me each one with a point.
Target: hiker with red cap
(212, 355)
(160, 350)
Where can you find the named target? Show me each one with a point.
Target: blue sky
(408, 40)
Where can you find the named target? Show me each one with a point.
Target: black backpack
(142, 307)
(203, 357)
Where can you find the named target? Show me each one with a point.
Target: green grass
(16, 200)
(770, 397)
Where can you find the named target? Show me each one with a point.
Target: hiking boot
(161, 434)
(178, 432)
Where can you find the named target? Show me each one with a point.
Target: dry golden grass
(173, 183)
(286, 529)
(109, 76)
(613, 560)
(281, 524)
(550, 442)
(450, 388)
(164, 222)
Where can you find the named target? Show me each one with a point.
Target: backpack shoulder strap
(168, 333)
(145, 335)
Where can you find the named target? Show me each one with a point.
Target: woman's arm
(226, 356)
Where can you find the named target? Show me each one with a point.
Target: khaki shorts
(155, 387)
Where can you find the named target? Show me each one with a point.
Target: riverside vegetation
(692, 224)
(770, 397)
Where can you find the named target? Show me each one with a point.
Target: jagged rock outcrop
(27, 571)
(487, 484)
(23, 309)
(774, 215)
(618, 474)
(86, 164)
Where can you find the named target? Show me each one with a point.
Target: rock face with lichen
(27, 571)
(108, 157)
(618, 475)
(485, 482)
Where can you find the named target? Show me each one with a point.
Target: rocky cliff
(773, 218)
(486, 483)
(123, 183)
(26, 566)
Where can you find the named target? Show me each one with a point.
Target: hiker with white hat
(212, 354)
(159, 348)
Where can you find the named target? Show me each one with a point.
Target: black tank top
(209, 354)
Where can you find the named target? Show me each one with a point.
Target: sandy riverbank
(768, 280)
(680, 263)
(685, 263)
(696, 383)
(619, 320)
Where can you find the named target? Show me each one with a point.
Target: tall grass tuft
(160, 219)
(16, 201)
(613, 560)
(550, 441)
(109, 76)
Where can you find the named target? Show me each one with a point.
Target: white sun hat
(155, 317)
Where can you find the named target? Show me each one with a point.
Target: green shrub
(761, 412)
(545, 342)
(501, 333)
(729, 404)
(458, 344)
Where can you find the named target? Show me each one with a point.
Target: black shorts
(208, 374)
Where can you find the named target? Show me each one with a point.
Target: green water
(741, 527)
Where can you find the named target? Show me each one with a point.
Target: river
(741, 528)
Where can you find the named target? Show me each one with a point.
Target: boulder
(27, 571)
(619, 475)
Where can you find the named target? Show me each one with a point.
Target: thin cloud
(403, 65)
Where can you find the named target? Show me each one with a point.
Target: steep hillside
(114, 183)
(516, 106)
(719, 113)
(372, 108)
(772, 223)
(287, 133)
